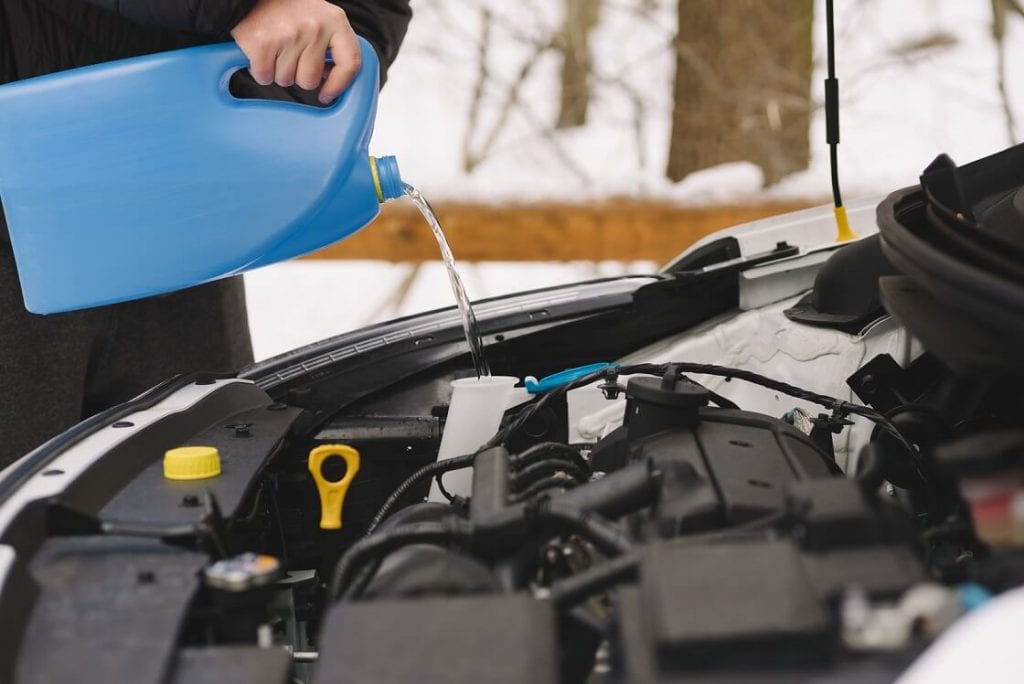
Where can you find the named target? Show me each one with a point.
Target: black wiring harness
(552, 456)
(838, 407)
(540, 517)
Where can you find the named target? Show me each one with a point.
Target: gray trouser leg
(56, 370)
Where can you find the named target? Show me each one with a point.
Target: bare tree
(581, 17)
(480, 140)
(742, 86)
(475, 151)
(1000, 10)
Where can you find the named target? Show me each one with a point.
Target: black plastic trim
(21, 470)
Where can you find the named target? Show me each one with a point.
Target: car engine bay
(645, 519)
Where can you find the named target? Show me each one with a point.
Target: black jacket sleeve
(382, 22)
(207, 17)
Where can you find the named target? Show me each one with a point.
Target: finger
(286, 65)
(310, 70)
(347, 60)
(261, 63)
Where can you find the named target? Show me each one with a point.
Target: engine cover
(719, 466)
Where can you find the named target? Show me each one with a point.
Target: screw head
(241, 429)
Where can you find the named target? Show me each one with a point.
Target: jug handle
(222, 61)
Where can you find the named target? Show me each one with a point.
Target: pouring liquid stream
(469, 324)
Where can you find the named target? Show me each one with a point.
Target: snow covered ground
(900, 107)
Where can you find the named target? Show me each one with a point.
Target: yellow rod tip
(843, 231)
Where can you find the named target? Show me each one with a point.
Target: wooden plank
(628, 230)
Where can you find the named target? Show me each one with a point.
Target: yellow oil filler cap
(192, 463)
(332, 494)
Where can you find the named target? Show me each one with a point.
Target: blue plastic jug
(144, 176)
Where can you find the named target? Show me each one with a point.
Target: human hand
(286, 42)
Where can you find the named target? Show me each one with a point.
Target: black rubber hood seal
(959, 237)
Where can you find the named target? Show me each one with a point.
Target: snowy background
(917, 77)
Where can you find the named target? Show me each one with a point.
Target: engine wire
(531, 455)
(541, 486)
(427, 471)
(537, 471)
(839, 407)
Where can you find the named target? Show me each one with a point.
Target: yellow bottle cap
(332, 494)
(191, 463)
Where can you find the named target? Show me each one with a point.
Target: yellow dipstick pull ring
(332, 494)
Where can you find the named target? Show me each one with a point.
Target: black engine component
(246, 442)
(882, 383)
(248, 664)
(496, 638)
(760, 601)
(743, 604)
(987, 453)
(425, 570)
(719, 466)
(845, 294)
(752, 604)
(138, 587)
